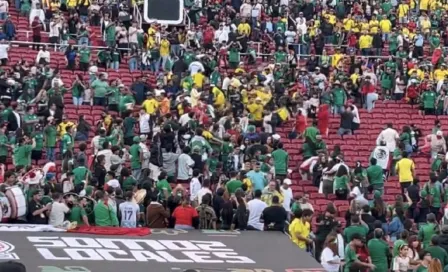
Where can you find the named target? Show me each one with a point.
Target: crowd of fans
(199, 148)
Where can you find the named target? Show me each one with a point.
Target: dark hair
(275, 200)
(373, 161)
(342, 170)
(307, 212)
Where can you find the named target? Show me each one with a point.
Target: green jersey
(429, 99)
(84, 55)
(3, 145)
(99, 88)
(39, 139)
(22, 155)
(135, 151)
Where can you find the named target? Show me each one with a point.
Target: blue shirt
(258, 179)
(419, 40)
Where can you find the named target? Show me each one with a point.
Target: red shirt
(185, 215)
(368, 88)
(36, 28)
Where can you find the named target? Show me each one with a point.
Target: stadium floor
(162, 250)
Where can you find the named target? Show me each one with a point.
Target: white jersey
(129, 212)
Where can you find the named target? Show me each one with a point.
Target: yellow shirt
(164, 48)
(62, 127)
(424, 4)
(404, 167)
(220, 99)
(403, 10)
(336, 58)
(439, 74)
(385, 25)
(354, 78)
(374, 26)
(420, 73)
(425, 25)
(244, 28)
(297, 227)
(348, 24)
(365, 41)
(331, 19)
(265, 97)
(198, 79)
(248, 183)
(365, 27)
(283, 113)
(150, 105)
(256, 110)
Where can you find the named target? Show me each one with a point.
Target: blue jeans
(77, 101)
(3, 15)
(338, 109)
(344, 131)
(83, 40)
(370, 101)
(155, 65)
(99, 101)
(304, 49)
(18, 4)
(51, 154)
(136, 173)
(175, 49)
(133, 64)
(183, 227)
(81, 136)
(114, 65)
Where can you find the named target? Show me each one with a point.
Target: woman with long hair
(434, 266)
(330, 259)
(414, 247)
(341, 185)
(396, 224)
(379, 210)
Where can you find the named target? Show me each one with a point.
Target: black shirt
(274, 218)
(346, 120)
(36, 219)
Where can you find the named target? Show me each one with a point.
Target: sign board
(168, 12)
(162, 251)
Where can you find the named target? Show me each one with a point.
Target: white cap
(287, 181)
(276, 137)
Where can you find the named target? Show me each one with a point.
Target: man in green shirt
(429, 98)
(425, 258)
(67, 141)
(136, 153)
(379, 251)
(351, 257)
(29, 120)
(339, 97)
(375, 175)
(84, 58)
(129, 181)
(234, 183)
(437, 251)
(50, 135)
(357, 226)
(125, 99)
(163, 187)
(428, 230)
(100, 87)
(78, 213)
(105, 214)
(280, 56)
(38, 137)
(311, 132)
(281, 160)
(4, 145)
(22, 152)
(81, 173)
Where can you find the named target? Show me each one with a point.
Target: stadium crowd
(200, 148)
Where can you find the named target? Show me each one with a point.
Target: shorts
(36, 155)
